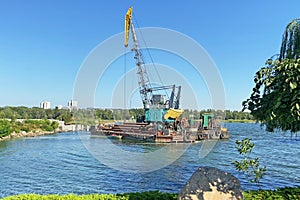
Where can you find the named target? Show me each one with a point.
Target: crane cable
(125, 71)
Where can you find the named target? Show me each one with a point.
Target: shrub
(5, 128)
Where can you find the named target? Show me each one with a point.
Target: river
(62, 163)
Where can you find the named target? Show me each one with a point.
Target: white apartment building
(72, 104)
(45, 105)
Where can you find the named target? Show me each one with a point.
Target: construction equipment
(157, 107)
(161, 122)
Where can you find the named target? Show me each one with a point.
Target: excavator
(157, 107)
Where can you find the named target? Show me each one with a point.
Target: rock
(211, 183)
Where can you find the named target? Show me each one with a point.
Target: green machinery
(208, 121)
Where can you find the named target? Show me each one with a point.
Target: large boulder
(211, 183)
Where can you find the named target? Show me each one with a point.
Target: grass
(127, 196)
(287, 193)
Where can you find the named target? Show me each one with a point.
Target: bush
(279, 194)
(5, 128)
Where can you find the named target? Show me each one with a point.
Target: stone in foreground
(211, 183)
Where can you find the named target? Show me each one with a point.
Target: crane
(157, 108)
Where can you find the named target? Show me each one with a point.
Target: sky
(43, 45)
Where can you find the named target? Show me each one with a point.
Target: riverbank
(26, 134)
(34, 127)
(240, 121)
(279, 194)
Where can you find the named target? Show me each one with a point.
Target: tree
(275, 99)
(137, 112)
(54, 125)
(85, 117)
(66, 116)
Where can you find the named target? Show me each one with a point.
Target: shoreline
(27, 134)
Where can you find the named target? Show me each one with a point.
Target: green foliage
(279, 194)
(23, 112)
(136, 112)
(244, 146)
(151, 195)
(85, 117)
(233, 116)
(275, 99)
(90, 116)
(44, 125)
(251, 167)
(105, 114)
(290, 46)
(5, 128)
(54, 125)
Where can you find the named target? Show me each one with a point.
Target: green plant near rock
(250, 166)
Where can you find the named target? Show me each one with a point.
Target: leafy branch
(250, 167)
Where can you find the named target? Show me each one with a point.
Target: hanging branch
(290, 46)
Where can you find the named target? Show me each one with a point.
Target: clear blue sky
(43, 43)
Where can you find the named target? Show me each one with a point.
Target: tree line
(22, 112)
(219, 114)
(70, 116)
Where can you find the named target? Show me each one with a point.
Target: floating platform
(157, 133)
(139, 131)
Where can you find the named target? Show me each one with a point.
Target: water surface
(61, 164)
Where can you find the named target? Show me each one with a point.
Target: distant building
(45, 105)
(72, 105)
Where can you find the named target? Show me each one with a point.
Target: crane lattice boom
(155, 105)
(144, 83)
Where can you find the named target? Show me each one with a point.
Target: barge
(179, 132)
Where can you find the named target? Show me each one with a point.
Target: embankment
(25, 134)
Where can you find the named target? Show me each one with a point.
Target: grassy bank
(25, 128)
(240, 121)
(279, 194)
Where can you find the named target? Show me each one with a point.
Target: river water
(63, 164)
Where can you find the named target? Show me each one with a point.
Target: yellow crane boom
(127, 25)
